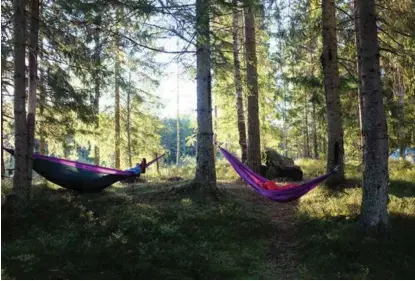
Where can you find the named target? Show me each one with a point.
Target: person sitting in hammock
(140, 168)
(270, 185)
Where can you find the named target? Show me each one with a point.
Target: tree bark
(178, 116)
(315, 142)
(374, 215)
(117, 96)
(130, 161)
(335, 149)
(306, 133)
(3, 171)
(157, 164)
(42, 103)
(18, 198)
(33, 51)
(359, 71)
(400, 92)
(97, 79)
(254, 141)
(215, 127)
(238, 81)
(205, 170)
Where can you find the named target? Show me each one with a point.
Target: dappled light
(187, 140)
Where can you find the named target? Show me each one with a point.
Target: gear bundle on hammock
(282, 193)
(78, 176)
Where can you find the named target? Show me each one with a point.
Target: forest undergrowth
(139, 231)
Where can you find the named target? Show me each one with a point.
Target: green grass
(139, 234)
(143, 232)
(331, 245)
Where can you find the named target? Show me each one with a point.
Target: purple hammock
(281, 195)
(79, 176)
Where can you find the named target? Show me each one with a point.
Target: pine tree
(17, 200)
(205, 170)
(238, 80)
(33, 82)
(335, 149)
(254, 142)
(374, 214)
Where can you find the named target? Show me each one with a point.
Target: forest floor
(144, 232)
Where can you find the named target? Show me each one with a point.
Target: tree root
(197, 191)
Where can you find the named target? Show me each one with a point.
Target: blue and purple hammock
(81, 176)
(284, 193)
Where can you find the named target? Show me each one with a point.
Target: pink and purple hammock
(284, 193)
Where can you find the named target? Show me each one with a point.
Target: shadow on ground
(136, 234)
(334, 248)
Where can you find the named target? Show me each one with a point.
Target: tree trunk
(157, 164)
(178, 116)
(42, 103)
(335, 149)
(117, 96)
(18, 198)
(315, 143)
(400, 91)
(374, 214)
(33, 51)
(359, 71)
(130, 161)
(238, 81)
(306, 133)
(3, 171)
(205, 170)
(254, 141)
(215, 127)
(97, 79)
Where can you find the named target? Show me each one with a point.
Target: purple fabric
(281, 195)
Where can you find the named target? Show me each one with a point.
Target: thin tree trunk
(3, 171)
(205, 170)
(97, 84)
(315, 142)
(359, 71)
(215, 127)
(33, 51)
(335, 149)
(42, 103)
(130, 161)
(324, 145)
(401, 117)
(374, 214)
(117, 96)
(42, 99)
(238, 81)
(157, 164)
(284, 121)
(254, 141)
(306, 133)
(17, 200)
(178, 115)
